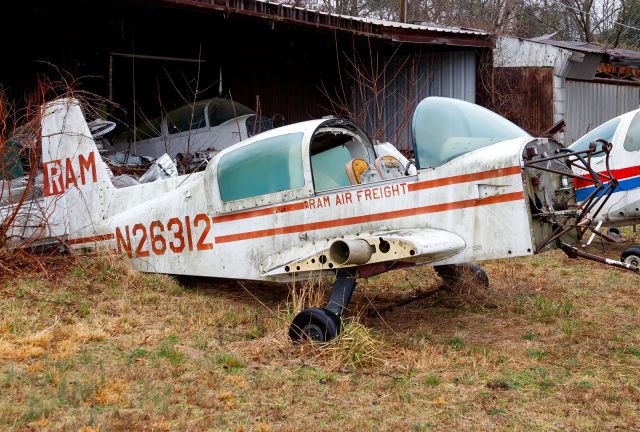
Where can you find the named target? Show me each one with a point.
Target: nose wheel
(316, 325)
(324, 324)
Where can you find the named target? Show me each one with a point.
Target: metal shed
(566, 88)
(280, 58)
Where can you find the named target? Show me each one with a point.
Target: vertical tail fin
(77, 183)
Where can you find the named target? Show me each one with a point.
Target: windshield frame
(444, 129)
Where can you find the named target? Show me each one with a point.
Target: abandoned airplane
(184, 133)
(315, 199)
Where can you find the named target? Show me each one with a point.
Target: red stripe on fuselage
(333, 223)
(411, 187)
(464, 178)
(260, 212)
(618, 174)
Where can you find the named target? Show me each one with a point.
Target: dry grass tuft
(10, 351)
(112, 393)
(355, 348)
(55, 341)
(469, 294)
(312, 292)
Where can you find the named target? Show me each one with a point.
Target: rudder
(77, 182)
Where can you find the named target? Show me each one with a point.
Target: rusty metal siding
(590, 104)
(405, 81)
(524, 95)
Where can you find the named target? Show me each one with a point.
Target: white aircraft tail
(77, 182)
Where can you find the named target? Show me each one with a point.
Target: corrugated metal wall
(590, 104)
(401, 83)
(524, 95)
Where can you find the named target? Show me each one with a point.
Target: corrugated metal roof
(624, 57)
(396, 31)
(424, 27)
(383, 23)
(620, 56)
(579, 46)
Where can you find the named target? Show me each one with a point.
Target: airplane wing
(415, 246)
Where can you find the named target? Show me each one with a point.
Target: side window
(263, 167)
(332, 146)
(328, 168)
(632, 140)
(186, 118)
(604, 131)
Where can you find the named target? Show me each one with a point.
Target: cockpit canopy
(444, 128)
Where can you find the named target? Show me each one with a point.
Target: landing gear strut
(324, 324)
(452, 274)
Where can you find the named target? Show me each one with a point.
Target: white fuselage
(478, 197)
(471, 208)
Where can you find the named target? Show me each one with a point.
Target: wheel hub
(633, 260)
(313, 332)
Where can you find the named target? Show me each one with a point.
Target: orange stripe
(513, 196)
(464, 178)
(259, 212)
(91, 239)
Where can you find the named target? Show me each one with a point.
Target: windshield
(186, 118)
(445, 128)
(222, 110)
(605, 131)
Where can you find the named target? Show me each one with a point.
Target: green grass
(168, 350)
(229, 362)
(432, 380)
(455, 342)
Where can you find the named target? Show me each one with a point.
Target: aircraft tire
(631, 256)
(316, 325)
(451, 274)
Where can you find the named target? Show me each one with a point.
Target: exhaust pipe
(346, 252)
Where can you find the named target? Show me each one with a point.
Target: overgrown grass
(552, 344)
